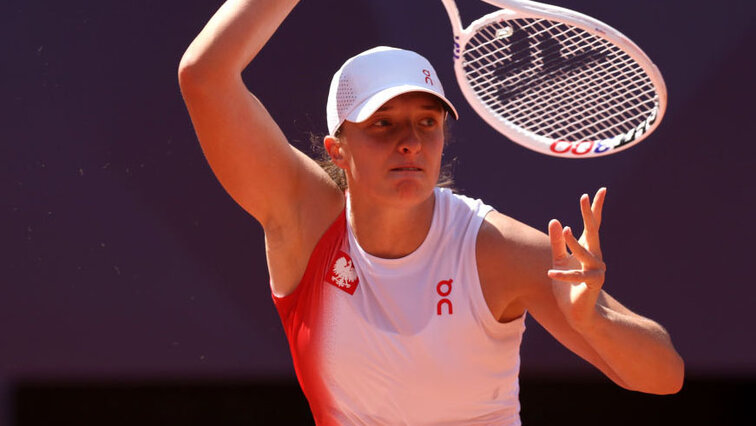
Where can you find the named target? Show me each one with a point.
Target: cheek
(437, 148)
(360, 162)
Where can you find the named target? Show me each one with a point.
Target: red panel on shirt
(301, 315)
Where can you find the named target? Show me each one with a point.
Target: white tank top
(403, 341)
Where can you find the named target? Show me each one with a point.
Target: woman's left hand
(578, 276)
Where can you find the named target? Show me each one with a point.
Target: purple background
(123, 258)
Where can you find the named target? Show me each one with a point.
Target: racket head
(558, 82)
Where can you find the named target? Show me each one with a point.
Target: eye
(381, 123)
(428, 122)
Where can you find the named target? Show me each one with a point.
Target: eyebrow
(430, 107)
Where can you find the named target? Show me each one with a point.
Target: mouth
(406, 169)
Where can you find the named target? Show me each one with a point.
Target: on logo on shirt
(444, 289)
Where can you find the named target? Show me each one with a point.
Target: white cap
(370, 79)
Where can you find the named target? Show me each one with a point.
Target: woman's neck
(390, 232)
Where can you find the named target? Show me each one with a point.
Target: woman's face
(395, 155)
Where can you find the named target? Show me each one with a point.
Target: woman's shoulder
(509, 251)
(505, 230)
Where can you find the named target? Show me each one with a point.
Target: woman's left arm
(638, 350)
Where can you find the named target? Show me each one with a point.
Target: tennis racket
(556, 81)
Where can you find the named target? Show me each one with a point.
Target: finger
(588, 259)
(558, 247)
(598, 205)
(572, 276)
(590, 233)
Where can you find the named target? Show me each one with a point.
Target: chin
(413, 192)
(396, 193)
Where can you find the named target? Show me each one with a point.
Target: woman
(402, 302)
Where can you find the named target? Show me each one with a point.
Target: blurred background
(134, 290)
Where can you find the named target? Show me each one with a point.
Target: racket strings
(604, 100)
(548, 58)
(569, 85)
(546, 62)
(605, 104)
(581, 108)
(500, 52)
(610, 122)
(578, 102)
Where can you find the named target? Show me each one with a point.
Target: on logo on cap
(428, 78)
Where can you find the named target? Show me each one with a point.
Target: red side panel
(302, 314)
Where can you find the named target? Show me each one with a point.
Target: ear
(335, 151)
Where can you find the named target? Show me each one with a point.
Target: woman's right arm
(285, 190)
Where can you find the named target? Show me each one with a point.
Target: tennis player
(402, 302)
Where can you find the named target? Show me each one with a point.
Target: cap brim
(367, 108)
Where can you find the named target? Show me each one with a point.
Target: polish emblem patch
(342, 273)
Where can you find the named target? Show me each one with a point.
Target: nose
(410, 142)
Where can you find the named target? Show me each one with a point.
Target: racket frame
(517, 9)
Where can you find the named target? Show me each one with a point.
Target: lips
(407, 169)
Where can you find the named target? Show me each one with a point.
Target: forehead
(420, 100)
